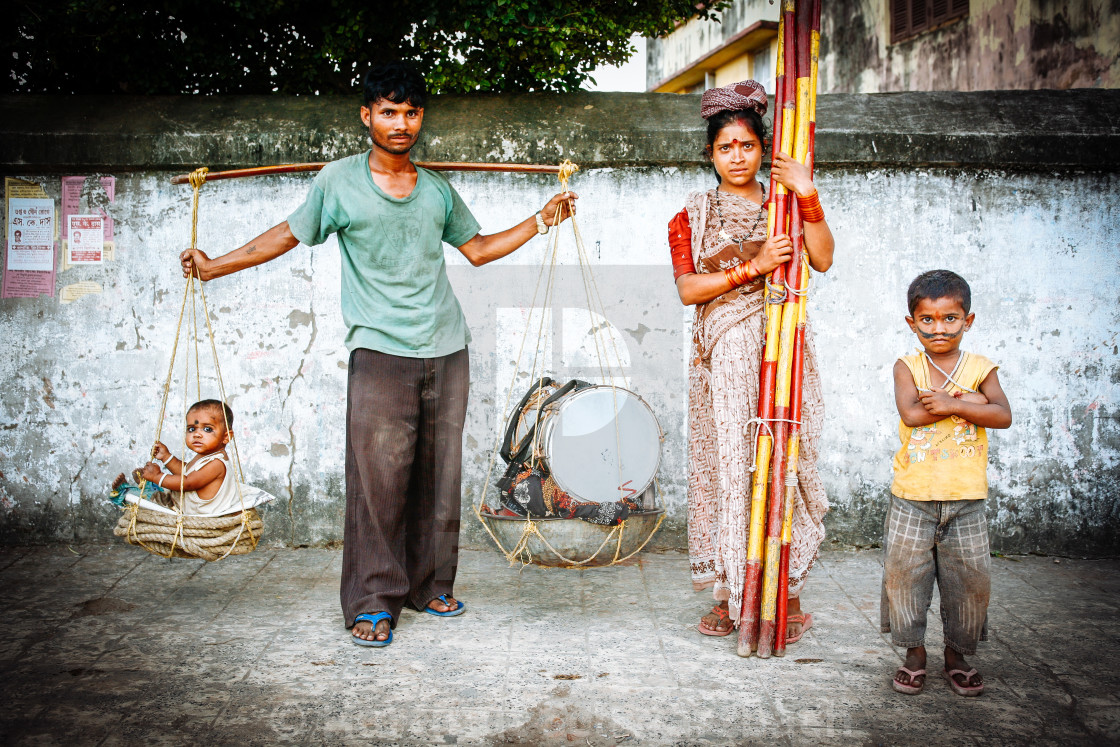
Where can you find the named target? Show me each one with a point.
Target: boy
(935, 527)
(200, 486)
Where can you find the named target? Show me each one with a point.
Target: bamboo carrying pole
(774, 484)
(294, 168)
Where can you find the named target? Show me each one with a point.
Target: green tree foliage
(322, 46)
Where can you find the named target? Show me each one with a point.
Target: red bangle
(811, 210)
(741, 274)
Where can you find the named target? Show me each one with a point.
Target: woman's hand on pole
(792, 174)
(564, 203)
(775, 252)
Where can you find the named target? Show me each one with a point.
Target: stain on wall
(999, 45)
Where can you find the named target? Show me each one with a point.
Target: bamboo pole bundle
(774, 485)
(294, 168)
(775, 224)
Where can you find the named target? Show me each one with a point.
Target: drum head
(602, 444)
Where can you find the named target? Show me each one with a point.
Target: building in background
(872, 46)
(702, 54)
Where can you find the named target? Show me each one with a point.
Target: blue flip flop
(373, 620)
(450, 613)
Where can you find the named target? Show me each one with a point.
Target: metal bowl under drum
(576, 540)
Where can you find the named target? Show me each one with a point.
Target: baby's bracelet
(811, 210)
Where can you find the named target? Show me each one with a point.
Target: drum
(600, 443)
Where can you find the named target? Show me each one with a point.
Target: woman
(721, 254)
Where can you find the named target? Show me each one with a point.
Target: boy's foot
(121, 480)
(962, 678)
(367, 632)
(910, 678)
(718, 622)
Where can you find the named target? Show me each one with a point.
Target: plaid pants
(942, 541)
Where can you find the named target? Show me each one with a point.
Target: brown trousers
(404, 449)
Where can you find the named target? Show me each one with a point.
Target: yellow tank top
(948, 460)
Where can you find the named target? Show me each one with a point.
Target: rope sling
(534, 545)
(179, 535)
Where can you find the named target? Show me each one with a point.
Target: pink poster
(72, 187)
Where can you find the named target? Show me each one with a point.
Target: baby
(199, 487)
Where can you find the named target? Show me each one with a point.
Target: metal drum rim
(549, 425)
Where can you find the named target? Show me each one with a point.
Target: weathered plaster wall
(1000, 45)
(910, 182)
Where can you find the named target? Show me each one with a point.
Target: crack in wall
(77, 475)
(136, 328)
(291, 420)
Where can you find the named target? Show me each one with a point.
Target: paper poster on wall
(28, 283)
(84, 240)
(31, 234)
(74, 291)
(100, 192)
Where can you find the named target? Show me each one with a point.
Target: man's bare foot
(964, 679)
(911, 682)
(718, 621)
(367, 632)
(121, 480)
(438, 605)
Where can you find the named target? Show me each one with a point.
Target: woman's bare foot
(718, 621)
(967, 680)
(367, 632)
(794, 626)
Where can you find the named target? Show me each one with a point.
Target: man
(408, 373)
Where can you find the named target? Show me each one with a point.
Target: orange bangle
(811, 210)
(741, 274)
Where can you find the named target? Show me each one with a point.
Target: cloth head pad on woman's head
(747, 94)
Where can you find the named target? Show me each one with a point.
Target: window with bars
(911, 17)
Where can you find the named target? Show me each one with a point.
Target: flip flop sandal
(449, 613)
(968, 691)
(722, 614)
(373, 620)
(806, 622)
(909, 689)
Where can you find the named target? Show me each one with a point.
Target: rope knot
(567, 168)
(198, 177)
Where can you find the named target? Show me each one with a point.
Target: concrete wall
(1018, 192)
(999, 45)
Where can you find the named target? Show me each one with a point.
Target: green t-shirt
(396, 298)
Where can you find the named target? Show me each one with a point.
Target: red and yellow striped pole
(777, 210)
